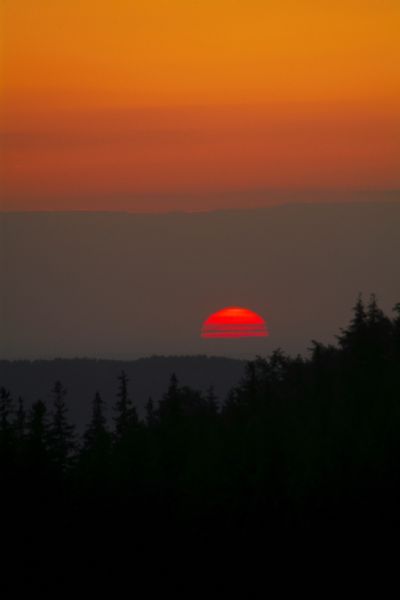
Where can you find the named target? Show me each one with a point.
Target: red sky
(151, 106)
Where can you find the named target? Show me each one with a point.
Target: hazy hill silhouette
(148, 377)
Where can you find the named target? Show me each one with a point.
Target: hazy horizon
(120, 285)
(227, 201)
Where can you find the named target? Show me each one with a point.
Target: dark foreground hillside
(302, 449)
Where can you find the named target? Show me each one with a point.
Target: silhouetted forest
(149, 376)
(299, 444)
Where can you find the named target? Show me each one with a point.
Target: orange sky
(178, 104)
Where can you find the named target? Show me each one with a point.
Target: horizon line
(272, 205)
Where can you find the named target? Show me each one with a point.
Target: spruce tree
(62, 437)
(6, 427)
(95, 454)
(211, 401)
(20, 422)
(126, 416)
(170, 406)
(151, 416)
(379, 325)
(396, 329)
(96, 435)
(353, 338)
(6, 410)
(37, 434)
(20, 426)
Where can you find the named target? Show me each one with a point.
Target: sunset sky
(174, 104)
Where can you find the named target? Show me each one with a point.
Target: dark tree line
(300, 441)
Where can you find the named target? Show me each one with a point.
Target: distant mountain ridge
(84, 376)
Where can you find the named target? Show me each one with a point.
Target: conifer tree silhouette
(20, 421)
(6, 429)
(96, 433)
(380, 327)
(95, 454)
(170, 406)
(126, 417)
(61, 433)
(6, 410)
(352, 338)
(396, 329)
(38, 435)
(295, 437)
(151, 415)
(211, 401)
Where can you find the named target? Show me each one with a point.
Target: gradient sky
(174, 104)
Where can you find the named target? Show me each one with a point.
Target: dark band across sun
(234, 322)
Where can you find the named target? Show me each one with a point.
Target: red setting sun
(234, 322)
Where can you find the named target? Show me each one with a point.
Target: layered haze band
(181, 106)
